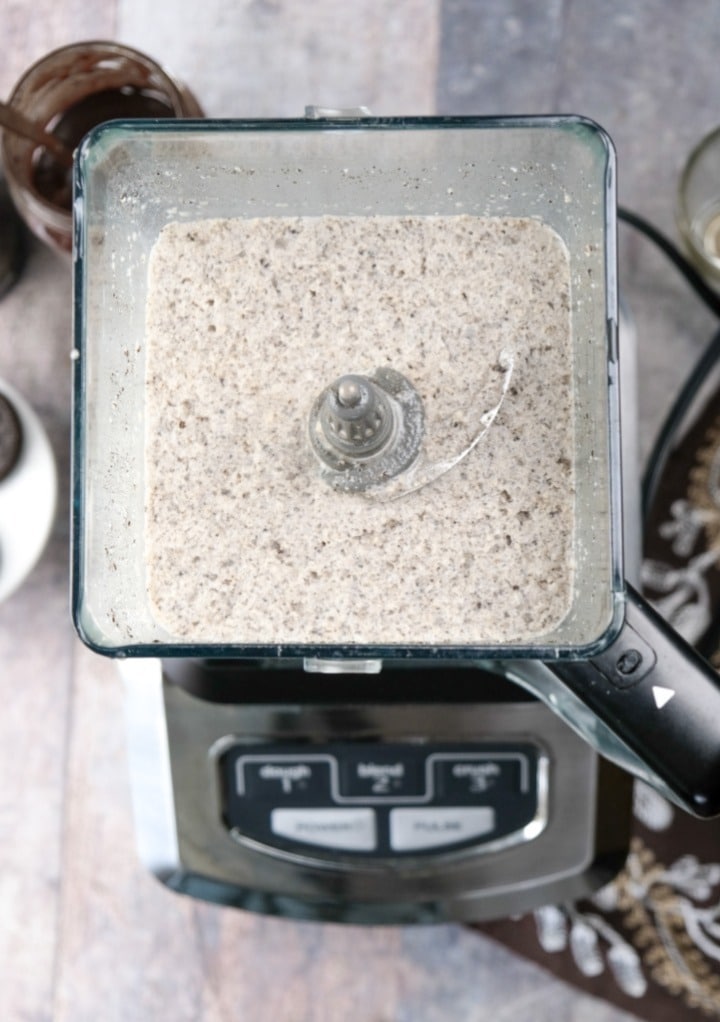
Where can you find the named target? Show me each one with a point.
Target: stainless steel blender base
(377, 813)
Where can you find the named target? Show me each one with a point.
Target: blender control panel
(384, 799)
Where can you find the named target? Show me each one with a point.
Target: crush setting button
(429, 827)
(468, 777)
(353, 830)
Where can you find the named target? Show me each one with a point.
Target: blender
(347, 509)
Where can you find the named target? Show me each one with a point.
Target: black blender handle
(658, 695)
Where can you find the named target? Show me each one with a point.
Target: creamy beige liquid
(248, 321)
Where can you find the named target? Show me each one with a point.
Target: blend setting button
(415, 829)
(385, 773)
(350, 830)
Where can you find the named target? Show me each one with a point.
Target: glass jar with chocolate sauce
(698, 207)
(67, 93)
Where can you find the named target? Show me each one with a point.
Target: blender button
(349, 829)
(381, 775)
(283, 778)
(486, 775)
(413, 829)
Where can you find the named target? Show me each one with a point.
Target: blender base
(366, 812)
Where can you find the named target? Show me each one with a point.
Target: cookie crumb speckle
(247, 324)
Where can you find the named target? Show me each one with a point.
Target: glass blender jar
(346, 404)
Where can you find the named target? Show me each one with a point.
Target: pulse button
(417, 829)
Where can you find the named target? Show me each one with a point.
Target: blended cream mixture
(249, 320)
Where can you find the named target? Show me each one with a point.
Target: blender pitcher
(346, 397)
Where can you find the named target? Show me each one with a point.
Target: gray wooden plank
(34, 676)
(126, 945)
(35, 634)
(35, 660)
(30, 30)
(270, 59)
(499, 57)
(647, 72)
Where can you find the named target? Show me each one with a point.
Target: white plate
(28, 497)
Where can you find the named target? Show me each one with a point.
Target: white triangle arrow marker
(662, 696)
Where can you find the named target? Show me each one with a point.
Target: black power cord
(688, 271)
(673, 421)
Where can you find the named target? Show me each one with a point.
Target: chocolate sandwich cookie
(12, 241)
(10, 437)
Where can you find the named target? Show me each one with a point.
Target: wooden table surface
(85, 934)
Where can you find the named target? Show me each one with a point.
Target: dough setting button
(415, 829)
(352, 830)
